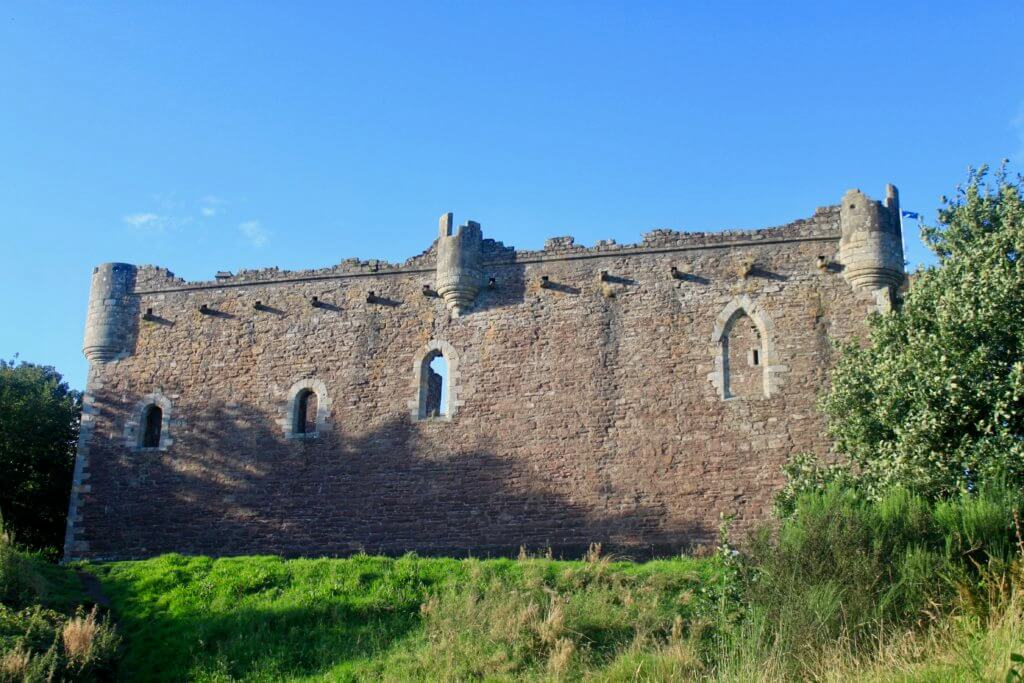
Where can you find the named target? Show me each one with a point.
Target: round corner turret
(871, 245)
(110, 322)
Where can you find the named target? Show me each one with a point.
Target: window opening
(305, 412)
(434, 386)
(153, 422)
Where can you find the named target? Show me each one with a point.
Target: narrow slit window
(305, 412)
(152, 424)
(755, 357)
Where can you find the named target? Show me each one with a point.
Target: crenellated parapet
(111, 319)
(459, 264)
(871, 245)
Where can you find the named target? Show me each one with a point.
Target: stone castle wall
(616, 401)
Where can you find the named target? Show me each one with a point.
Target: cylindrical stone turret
(110, 322)
(871, 246)
(459, 264)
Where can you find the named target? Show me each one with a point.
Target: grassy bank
(410, 618)
(264, 618)
(373, 618)
(848, 586)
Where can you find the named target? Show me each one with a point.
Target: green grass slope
(265, 618)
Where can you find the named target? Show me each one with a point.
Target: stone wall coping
(755, 238)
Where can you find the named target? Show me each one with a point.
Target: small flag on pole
(911, 214)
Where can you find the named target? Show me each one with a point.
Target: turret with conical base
(111, 321)
(459, 264)
(871, 246)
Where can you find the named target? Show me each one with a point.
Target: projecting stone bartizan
(623, 394)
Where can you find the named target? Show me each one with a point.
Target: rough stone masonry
(624, 394)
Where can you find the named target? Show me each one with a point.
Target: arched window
(746, 364)
(743, 375)
(152, 424)
(305, 412)
(436, 387)
(149, 423)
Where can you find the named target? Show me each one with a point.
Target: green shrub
(846, 567)
(42, 638)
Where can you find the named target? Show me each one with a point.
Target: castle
(625, 394)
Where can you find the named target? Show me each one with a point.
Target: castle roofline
(822, 225)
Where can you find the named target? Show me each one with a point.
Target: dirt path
(93, 588)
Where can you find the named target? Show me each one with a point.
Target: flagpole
(903, 240)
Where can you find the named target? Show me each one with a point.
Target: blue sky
(217, 136)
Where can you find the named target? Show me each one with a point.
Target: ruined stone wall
(587, 407)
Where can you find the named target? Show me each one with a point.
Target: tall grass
(844, 578)
(43, 637)
(844, 589)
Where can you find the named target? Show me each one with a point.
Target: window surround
(421, 361)
(289, 418)
(135, 427)
(768, 360)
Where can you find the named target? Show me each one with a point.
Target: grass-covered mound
(845, 587)
(264, 618)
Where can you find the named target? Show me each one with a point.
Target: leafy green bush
(935, 402)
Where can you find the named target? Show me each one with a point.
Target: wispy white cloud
(166, 201)
(144, 220)
(166, 213)
(211, 205)
(254, 232)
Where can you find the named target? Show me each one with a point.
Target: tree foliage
(39, 418)
(934, 401)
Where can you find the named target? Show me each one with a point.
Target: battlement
(824, 224)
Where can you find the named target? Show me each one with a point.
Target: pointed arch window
(743, 375)
(746, 365)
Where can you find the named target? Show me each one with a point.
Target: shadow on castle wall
(232, 485)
